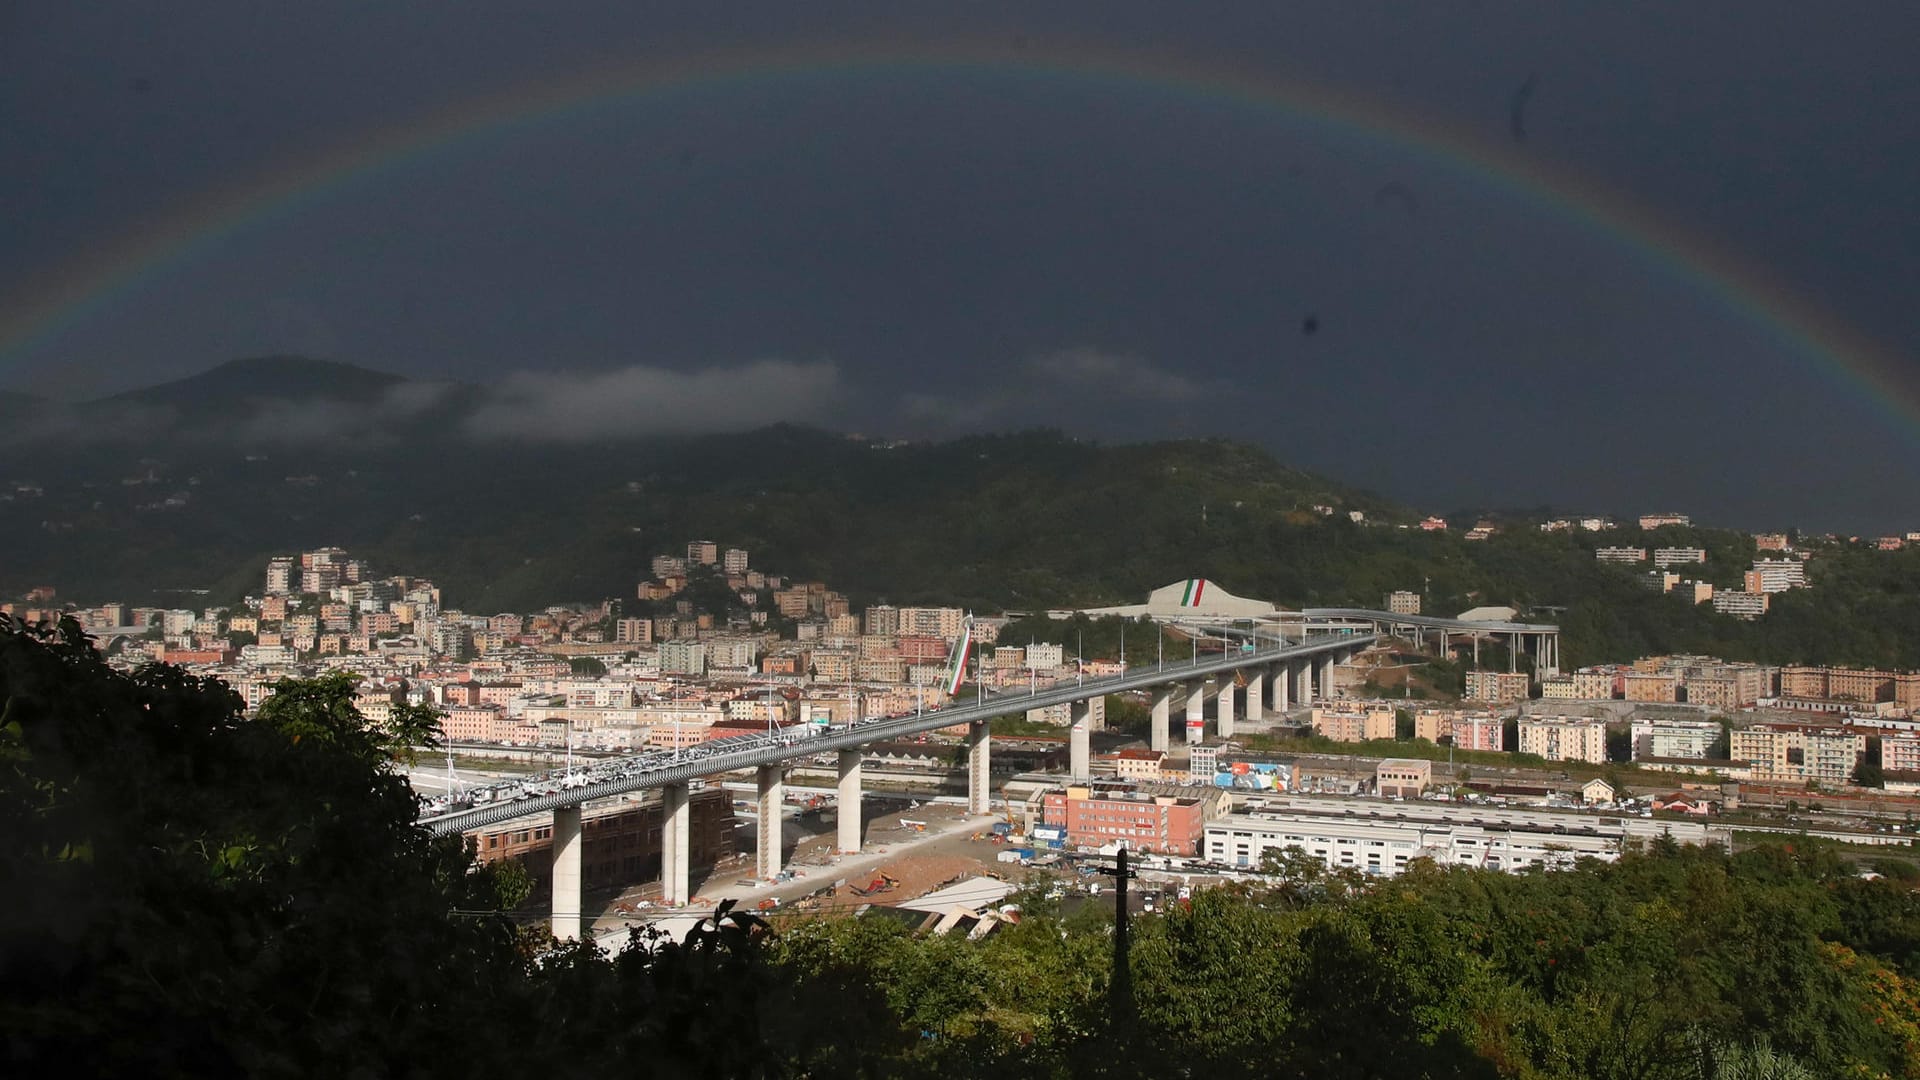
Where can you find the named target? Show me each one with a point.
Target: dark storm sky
(923, 253)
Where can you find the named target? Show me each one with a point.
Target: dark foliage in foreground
(194, 893)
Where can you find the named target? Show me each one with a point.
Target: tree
(586, 665)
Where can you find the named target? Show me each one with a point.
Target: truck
(1000, 828)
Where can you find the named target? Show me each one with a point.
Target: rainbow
(70, 294)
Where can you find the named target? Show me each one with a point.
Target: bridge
(1544, 637)
(1291, 672)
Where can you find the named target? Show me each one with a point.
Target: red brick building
(1094, 818)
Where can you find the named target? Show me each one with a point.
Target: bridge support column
(979, 768)
(773, 790)
(1306, 680)
(1196, 712)
(1282, 687)
(1323, 678)
(1080, 743)
(1162, 716)
(848, 798)
(1256, 695)
(676, 840)
(566, 873)
(1223, 707)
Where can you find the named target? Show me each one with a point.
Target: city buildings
(1468, 729)
(1403, 778)
(1656, 521)
(1403, 602)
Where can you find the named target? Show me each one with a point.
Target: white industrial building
(1379, 837)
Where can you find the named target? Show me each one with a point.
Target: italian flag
(1191, 598)
(960, 661)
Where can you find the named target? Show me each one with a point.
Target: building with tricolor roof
(1192, 598)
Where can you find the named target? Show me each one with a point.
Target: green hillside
(1019, 521)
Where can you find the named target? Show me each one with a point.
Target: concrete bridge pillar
(676, 840)
(1323, 679)
(1256, 694)
(848, 799)
(1162, 717)
(1223, 707)
(979, 767)
(1306, 680)
(1282, 686)
(1080, 743)
(566, 873)
(773, 790)
(1196, 712)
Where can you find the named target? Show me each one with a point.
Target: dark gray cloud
(935, 231)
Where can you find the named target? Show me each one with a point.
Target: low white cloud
(1076, 386)
(639, 400)
(1112, 374)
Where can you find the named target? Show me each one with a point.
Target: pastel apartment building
(1678, 556)
(1798, 753)
(1468, 730)
(1660, 737)
(1587, 684)
(1358, 722)
(1741, 603)
(1564, 738)
(1497, 687)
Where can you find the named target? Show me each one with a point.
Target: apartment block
(883, 620)
(1354, 723)
(1678, 556)
(1798, 753)
(1653, 686)
(1469, 730)
(1771, 542)
(1776, 575)
(1403, 602)
(1620, 555)
(1170, 824)
(1578, 686)
(945, 623)
(1497, 687)
(1901, 752)
(683, 657)
(1660, 737)
(1564, 738)
(1741, 603)
(702, 552)
(1656, 521)
(734, 561)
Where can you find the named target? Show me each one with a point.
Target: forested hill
(281, 455)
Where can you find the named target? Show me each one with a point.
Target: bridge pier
(979, 764)
(1223, 707)
(848, 799)
(566, 873)
(1196, 712)
(676, 842)
(772, 783)
(1162, 714)
(1256, 695)
(1323, 678)
(1282, 673)
(1306, 681)
(1080, 743)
